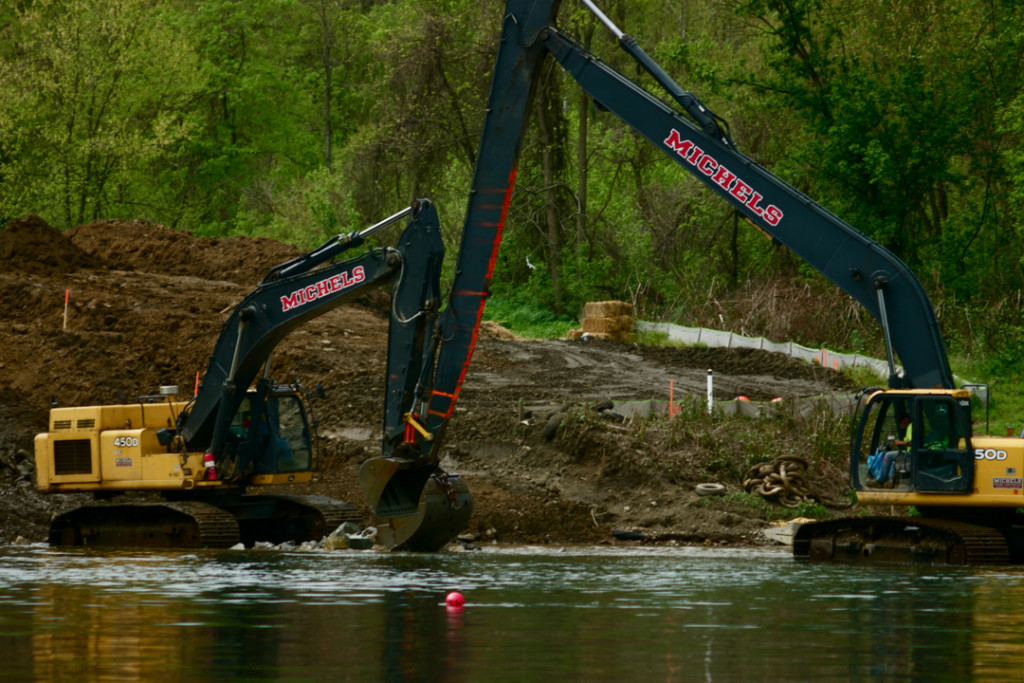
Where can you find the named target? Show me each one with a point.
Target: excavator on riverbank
(199, 459)
(966, 488)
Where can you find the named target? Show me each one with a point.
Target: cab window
(292, 442)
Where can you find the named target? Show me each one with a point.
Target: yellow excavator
(915, 447)
(965, 488)
(202, 458)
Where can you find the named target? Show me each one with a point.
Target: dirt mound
(32, 246)
(493, 330)
(146, 247)
(147, 304)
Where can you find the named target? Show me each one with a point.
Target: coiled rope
(784, 479)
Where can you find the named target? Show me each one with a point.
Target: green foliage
(905, 118)
(1002, 374)
(299, 119)
(313, 210)
(96, 99)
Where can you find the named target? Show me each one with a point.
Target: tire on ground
(710, 489)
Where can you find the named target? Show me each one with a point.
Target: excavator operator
(907, 429)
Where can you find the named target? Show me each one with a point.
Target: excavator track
(180, 524)
(335, 512)
(222, 523)
(272, 518)
(900, 540)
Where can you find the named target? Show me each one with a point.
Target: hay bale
(607, 309)
(617, 325)
(606, 320)
(598, 325)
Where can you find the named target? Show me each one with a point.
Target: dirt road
(145, 305)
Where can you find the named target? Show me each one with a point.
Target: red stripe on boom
(483, 299)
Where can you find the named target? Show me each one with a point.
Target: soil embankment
(146, 303)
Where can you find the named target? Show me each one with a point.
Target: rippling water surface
(681, 614)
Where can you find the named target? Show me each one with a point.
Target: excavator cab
(914, 441)
(271, 436)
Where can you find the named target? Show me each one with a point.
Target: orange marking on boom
(501, 228)
(483, 299)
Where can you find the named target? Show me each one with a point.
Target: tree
(901, 102)
(95, 94)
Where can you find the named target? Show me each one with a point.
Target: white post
(710, 394)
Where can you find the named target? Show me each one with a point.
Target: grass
(656, 338)
(864, 376)
(527, 320)
(769, 511)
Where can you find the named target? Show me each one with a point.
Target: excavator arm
(861, 267)
(297, 291)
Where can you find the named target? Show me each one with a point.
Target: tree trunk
(554, 230)
(327, 39)
(581, 155)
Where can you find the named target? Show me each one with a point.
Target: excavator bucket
(418, 508)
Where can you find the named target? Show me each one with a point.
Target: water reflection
(997, 626)
(600, 614)
(83, 634)
(421, 639)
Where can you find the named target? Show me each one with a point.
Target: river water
(531, 614)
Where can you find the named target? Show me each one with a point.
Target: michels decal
(725, 178)
(326, 287)
(1007, 483)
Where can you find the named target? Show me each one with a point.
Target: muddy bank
(145, 305)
